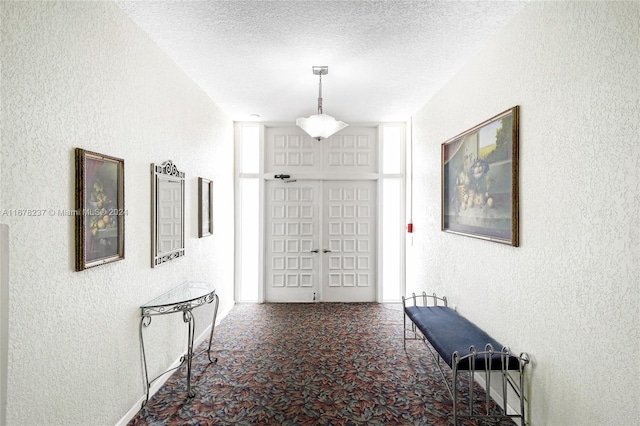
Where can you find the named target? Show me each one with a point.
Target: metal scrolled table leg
(213, 326)
(187, 317)
(144, 322)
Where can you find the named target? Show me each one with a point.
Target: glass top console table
(182, 299)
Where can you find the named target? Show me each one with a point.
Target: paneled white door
(292, 238)
(320, 242)
(349, 237)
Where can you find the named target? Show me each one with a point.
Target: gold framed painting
(100, 211)
(480, 180)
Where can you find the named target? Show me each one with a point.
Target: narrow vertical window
(247, 259)
(392, 149)
(392, 179)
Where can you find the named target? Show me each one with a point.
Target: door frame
(376, 176)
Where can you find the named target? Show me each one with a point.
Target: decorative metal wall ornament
(100, 211)
(169, 169)
(480, 194)
(167, 213)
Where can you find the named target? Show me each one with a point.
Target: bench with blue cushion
(449, 332)
(464, 346)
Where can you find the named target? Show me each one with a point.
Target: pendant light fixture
(320, 126)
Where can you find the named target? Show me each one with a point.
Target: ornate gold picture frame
(100, 212)
(480, 180)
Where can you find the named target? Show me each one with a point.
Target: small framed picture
(99, 210)
(205, 207)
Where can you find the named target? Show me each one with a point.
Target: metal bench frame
(516, 384)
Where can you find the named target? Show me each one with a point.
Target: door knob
(326, 251)
(314, 251)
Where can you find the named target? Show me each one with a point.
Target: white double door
(320, 241)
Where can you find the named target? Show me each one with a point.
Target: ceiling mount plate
(320, 70)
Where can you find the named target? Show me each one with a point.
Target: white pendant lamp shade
(320, 126)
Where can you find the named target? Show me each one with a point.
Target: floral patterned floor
(308, 364)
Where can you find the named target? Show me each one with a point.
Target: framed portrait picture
(205, 207)
(480, 180)
(100, 210)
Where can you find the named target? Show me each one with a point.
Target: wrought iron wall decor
(99, 209)
(480, 180)
(205, 207)
(167, 213)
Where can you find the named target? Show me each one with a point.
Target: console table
(182, 299)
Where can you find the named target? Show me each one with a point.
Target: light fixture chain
(320, 95)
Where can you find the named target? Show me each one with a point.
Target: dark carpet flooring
(308, 364)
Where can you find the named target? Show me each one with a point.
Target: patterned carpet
(307, 364)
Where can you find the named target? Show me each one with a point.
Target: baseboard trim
(496, 394)
(4, 320)
(158, 383)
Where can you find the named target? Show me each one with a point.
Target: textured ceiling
(385, 58)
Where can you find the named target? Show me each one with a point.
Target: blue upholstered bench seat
(448, 332)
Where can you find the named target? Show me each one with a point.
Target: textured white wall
(4, 318)
(81, 74)
(570, 294)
